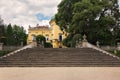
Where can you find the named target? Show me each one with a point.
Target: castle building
(53, 34)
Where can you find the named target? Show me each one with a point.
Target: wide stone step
(54, 61)
(60, 64)
(48, 57)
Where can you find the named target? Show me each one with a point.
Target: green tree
(9, 35)
(42, 40)
(95, 18)
(16, 35)
(2, 31)
(48, 45)
(19, 35)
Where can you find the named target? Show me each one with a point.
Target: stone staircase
(59, 57)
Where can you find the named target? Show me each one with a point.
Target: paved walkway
(60, 73)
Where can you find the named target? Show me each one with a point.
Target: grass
(2, 53)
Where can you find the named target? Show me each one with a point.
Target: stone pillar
(84, 41)
(1, 46)
(43, 44)
(118, 46)
(34, 44)
(22, 44)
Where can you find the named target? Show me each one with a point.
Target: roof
(39, 27)
(59, 57)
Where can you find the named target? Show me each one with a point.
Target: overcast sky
(28, 12)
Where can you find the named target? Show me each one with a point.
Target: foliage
(48, 45)
(9, 35)
(13, 35)
(98, 19)
(67, 41)
(2, 53)
(40, 39)
(19, 35)
(115, 52)
(71, 43)
(2, 28)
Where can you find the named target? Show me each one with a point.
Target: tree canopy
(15, 35)
(2, 28)
(12, 35)
(42, 40)
(98, 19)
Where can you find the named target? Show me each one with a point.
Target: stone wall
(11, 48)
(108, 47)
(111, 47)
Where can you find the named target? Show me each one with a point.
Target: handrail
(18, 50)
(101, 50)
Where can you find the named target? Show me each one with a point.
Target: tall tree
(19, 35)
(42, 40)
(98, 19)
(9, 35)
(15, 35)
(2, 30)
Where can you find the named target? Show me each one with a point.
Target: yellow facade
(53, 34)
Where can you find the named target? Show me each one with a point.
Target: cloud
(28, 12)
(42, 17)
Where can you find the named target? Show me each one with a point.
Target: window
(60, 37)
(47, 37)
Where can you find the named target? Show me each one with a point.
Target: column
(1, 46)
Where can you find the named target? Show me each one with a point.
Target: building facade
(53, 34)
